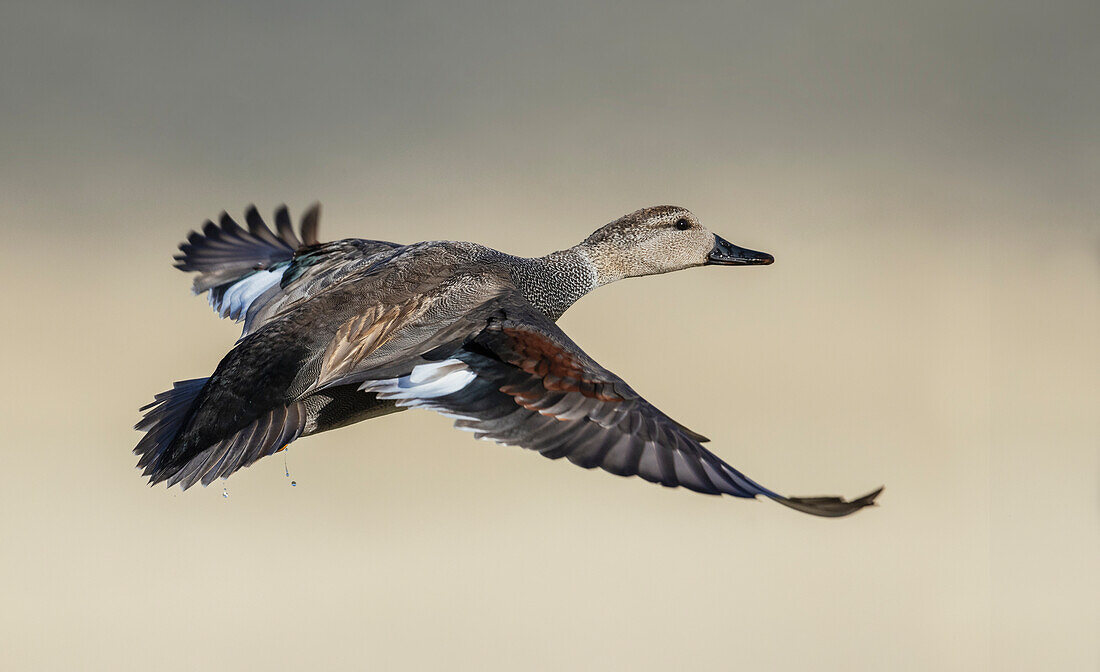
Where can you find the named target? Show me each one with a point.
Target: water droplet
(225, 493)
(294, 483)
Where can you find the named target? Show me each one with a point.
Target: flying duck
(344, 331)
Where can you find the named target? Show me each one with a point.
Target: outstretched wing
(254, 273)
(521, 381)
(287, 377)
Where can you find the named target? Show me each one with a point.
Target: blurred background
(925, 174)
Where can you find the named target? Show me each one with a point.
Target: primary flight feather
(339, 332)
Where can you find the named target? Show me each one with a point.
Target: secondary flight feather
(339, 332)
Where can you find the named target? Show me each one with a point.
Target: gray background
(925, 173)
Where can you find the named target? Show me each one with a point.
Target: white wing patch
(426, 381)
(239, 296)
(423, 384)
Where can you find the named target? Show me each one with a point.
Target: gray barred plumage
(340, 332)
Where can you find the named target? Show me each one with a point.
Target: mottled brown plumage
(339, 332)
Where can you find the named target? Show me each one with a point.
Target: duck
(335, 333)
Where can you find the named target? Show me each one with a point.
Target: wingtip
(830, 507)
(309, 225)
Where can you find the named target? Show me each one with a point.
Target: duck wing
(252, 274)
(270, 389)
(519, 380)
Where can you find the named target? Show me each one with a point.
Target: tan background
(926, 177)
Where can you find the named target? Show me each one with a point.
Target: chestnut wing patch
(521, 381)
(559, 369)
(533, 387)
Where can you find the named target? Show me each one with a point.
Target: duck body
(341, 332)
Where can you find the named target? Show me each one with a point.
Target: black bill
(727, 254)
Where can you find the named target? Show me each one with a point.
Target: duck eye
(683, 224)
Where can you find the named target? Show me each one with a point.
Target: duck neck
(555, 282)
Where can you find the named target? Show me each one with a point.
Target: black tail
(184, 446)
(163, 420)
(222, 255)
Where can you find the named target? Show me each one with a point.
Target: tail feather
(265, 436)
(167, 451)
(163, 420)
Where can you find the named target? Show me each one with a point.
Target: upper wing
(261, 396)
(521, 381)
(256, 273)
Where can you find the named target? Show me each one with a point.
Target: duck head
(660, 240)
